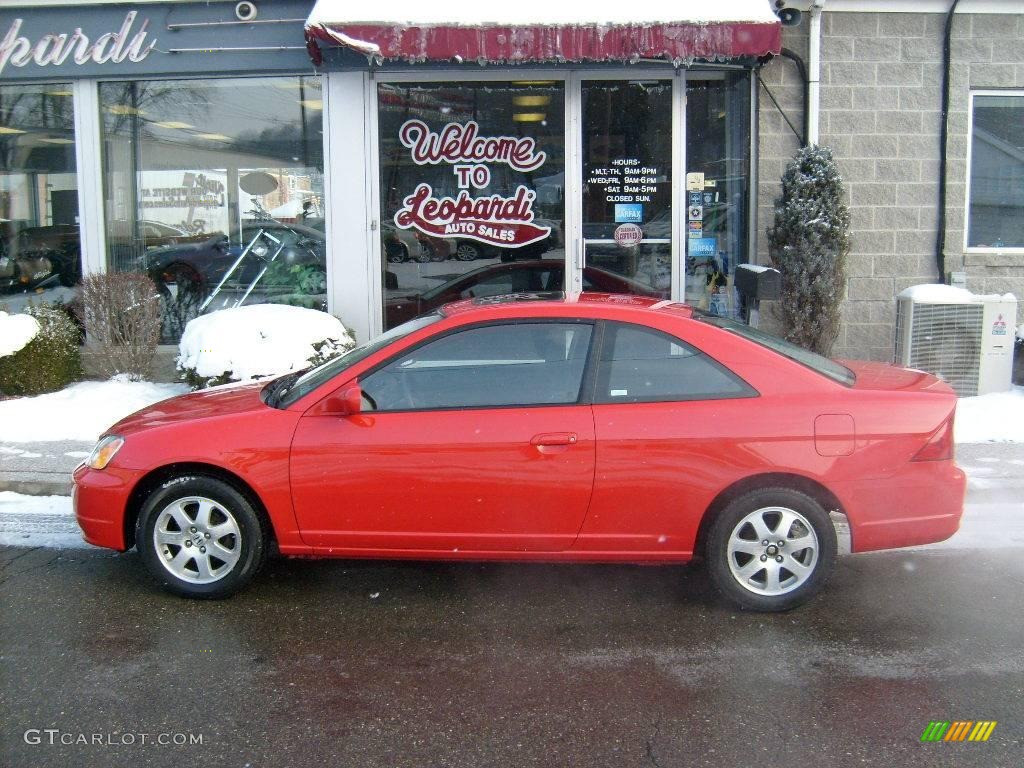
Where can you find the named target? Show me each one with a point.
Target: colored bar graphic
(958, 730)
(935, 731)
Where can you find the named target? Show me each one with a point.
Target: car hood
(893, 377)
(216, 401)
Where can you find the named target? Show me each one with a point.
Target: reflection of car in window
(539, 275)
(285, 263)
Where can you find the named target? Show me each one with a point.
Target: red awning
(532, 31)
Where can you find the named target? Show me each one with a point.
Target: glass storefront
(40, 252)
(215, 189)
(472, 191)
(717, 187)
(627, 186)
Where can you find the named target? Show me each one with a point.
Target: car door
(670, 423)
(476, 441)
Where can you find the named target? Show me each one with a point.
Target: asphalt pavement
(412, 664)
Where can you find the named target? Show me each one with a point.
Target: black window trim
(608, 338)
(583, 398)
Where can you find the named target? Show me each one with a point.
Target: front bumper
(100, 499)
(920, 504)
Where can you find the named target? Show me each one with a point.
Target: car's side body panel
(444, 480)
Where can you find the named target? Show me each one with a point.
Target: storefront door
(629, 227)
(581, 181)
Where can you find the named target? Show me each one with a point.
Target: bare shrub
(122, 318)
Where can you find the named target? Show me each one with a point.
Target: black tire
(251, 544)
(467, 251)
(750, 585)
(396, 253)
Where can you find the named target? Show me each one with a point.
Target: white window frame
(1015, 250)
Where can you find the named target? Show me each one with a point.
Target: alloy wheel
(197, 539)
(773, 550)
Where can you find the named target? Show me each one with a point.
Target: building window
(995, 195)
(215, 189)
(717, 187)
(472, 174)
(40, 255)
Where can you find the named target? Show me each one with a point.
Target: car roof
(588, 302)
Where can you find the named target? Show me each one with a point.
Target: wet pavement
(411, 664)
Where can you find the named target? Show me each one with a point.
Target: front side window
(40, 254)
(996, 205)
(215, 189)
(492, 366)
(643, 365)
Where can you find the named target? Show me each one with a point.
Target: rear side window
(641, 365)
(484, 367)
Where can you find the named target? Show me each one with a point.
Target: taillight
(939, 446)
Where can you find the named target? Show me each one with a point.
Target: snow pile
(256, 341)
(994, 418)
(938, 293)
(79, 412)
(15, 332)
(400, 14)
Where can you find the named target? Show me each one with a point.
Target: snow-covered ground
(79, 412)
(994, 418)
(38, 521)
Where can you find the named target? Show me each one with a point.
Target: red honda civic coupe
(594, 428)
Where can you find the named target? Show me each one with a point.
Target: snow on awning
(528, 31)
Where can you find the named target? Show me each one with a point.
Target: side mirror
(348, 402)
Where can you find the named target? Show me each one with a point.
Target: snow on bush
(245, 343)
(79, 412)
(808, 243)
(15, 332)
(49, 360)
(994, 418)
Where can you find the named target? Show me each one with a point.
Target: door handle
(554, 438)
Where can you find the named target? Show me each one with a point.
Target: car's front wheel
(200, 537)
(771, 549)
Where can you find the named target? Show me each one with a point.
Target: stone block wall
(880, 113)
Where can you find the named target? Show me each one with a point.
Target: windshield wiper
(279, 387)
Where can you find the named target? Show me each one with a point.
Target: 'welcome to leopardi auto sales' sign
(494, 219)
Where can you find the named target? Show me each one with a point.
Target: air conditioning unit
(963, 338)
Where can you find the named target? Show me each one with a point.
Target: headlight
(104, 451)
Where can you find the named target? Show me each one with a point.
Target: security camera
(246, 11)
(790, 17)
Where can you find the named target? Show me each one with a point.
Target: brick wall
(880, 102)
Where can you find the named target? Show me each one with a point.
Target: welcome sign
(506, 221)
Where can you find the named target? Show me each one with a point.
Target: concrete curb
(38, 487)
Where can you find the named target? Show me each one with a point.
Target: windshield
(314, 377)
(805, 357)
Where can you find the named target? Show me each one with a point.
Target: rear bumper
(100, 498)
(920, 504)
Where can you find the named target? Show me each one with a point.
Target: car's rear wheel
(771, 549)
(200, 537)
